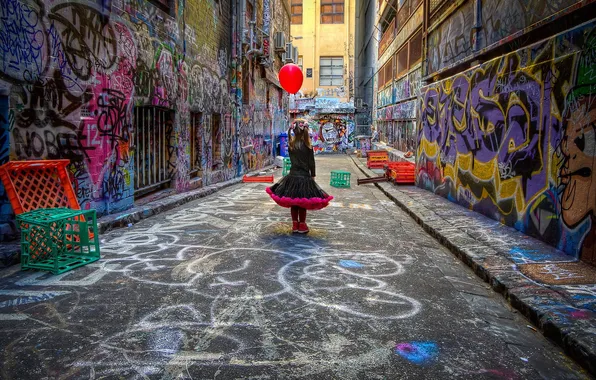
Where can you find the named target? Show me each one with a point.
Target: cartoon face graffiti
(578, 170)
(329, 133)
(578, 145)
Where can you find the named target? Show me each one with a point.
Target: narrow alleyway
(220, 288)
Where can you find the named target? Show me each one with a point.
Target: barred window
(402, 61)
(415, 49)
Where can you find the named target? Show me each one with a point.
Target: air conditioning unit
(288, 56)
(279, 42)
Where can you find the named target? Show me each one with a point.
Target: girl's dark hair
(301, 136)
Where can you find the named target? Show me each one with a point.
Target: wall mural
(332, 133)
(515, 139)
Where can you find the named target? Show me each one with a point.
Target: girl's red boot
(302, 228)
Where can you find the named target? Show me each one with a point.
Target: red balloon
(290, 78)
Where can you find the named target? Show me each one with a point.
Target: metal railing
(153, 132)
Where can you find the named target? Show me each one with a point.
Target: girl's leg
(295, 214)
(302, 215)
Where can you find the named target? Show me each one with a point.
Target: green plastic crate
(58, 239)
(287, 166)
(340, 178)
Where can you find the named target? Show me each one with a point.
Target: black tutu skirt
(301, 191)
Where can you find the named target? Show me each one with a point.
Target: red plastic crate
(31, 185)
(266, 179)
(402, 173)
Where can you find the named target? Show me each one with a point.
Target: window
(332, 11)
(216, 141)
(402, 61)
(389, 71)
(416, 49)
(300, 62)
(245, 83)
(296, 11)
(403, 14)
(331, 71)
(196, 143)
(154, 127)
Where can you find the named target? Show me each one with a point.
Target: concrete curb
(538, 304)
(10, 254)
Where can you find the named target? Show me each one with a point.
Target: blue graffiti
(59, 57)
(21, 41)
(418, 352)
(27, 299)
(350, 264)
(522, 255)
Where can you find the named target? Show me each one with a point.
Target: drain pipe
(477, 24)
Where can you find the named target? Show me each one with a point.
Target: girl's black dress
(298, 188)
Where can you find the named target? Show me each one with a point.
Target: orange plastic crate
(267, 179)
(31, 185)
(377, 159)
(372, 154)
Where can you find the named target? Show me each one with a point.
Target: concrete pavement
(554, 291)
(220, 288)
(144, 208)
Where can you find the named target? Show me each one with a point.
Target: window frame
(297, 4)
(334, 13)
(332, 76)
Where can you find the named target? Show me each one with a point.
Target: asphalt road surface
(221, 289)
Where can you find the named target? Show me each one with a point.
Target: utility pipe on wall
(477, 24)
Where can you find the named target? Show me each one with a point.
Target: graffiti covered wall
(453, 40)
(332, 133)
(515, 139)
(331, 122)
(133, 96)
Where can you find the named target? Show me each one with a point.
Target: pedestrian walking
(298, 190)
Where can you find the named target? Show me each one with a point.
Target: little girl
(298, 190)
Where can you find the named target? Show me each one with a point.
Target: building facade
(139, 95)
(504, 109)
(323, 32)
(399, 72)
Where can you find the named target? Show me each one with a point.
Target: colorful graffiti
(332, 133)
(515, 139)
(386, 96)
(76, 72)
